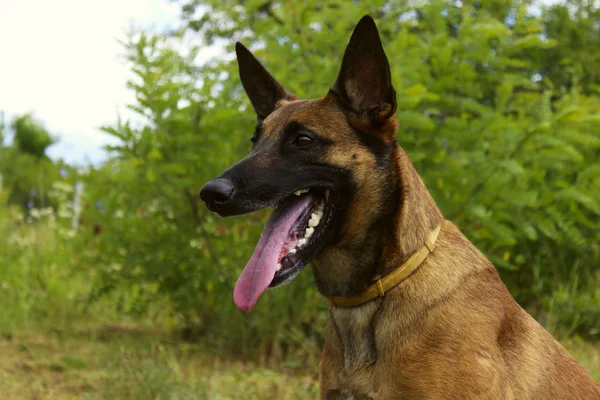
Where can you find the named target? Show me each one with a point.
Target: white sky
(59, 59)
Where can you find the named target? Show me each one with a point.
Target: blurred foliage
(30, 136)
(157, 238)
(499, 110)
(2, 127)
(28, 178)
(38, 253)
(27, 173)
(577, 32)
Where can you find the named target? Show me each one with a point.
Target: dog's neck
(405, 216)
(415, 218)
(411, 221)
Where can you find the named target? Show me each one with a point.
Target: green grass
(586, 353)
(126, 362)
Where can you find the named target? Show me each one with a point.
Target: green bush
(41, 278)
(27, 173)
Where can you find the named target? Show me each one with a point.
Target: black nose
(217, 191)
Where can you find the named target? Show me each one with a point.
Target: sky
(60, 60)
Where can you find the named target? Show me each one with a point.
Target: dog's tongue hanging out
(261, 267)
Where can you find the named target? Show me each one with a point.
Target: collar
(388, 282)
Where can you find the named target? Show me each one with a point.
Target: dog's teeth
(320, 214)
(299, 192)
(308, 233)
(292, 251)
(279, 266)
(302, 242)
(314, 220)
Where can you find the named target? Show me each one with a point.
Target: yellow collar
(391, 280)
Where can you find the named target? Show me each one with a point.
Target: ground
(121, 361)
(125, 362)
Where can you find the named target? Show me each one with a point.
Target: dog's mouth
(292, 236)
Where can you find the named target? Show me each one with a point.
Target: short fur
(451, 330)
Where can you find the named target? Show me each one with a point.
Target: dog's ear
(364, 84)
(263, 90)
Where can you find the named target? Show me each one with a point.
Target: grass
(52, 347)
(586, 353)
(126, 362)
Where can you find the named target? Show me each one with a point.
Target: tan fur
(450, 331)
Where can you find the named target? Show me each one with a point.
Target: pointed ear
(263, 90)
(364, 85)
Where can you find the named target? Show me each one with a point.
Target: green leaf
(591, 172)
(513, 166)
(529, 231)
(546, 226)
(585, 200)
(413, 120)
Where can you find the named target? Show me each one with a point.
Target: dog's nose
(217, 191)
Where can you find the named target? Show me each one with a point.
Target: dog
(416, 311)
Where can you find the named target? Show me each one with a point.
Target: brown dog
(417, 312)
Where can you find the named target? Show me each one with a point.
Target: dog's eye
(303, 140)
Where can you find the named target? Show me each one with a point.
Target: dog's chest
(346, 394)
(357, 356)
(355, 385)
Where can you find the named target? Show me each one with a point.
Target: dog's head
(322, 163)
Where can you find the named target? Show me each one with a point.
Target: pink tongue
(261, 267)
